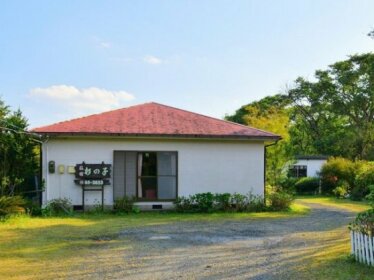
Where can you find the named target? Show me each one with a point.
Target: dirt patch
(245, 249)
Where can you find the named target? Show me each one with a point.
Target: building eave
(157, 136)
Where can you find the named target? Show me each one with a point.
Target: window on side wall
(298, 171)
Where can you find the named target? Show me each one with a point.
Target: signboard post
(92, 177)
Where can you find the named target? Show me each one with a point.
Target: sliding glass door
(157, 175)
(167, 175)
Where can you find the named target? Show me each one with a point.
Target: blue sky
(63, 59)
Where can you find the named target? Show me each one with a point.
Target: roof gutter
(265, 149)
(159, 136)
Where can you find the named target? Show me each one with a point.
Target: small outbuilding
(307, 166)
(152, 152)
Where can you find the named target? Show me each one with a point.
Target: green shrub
(280, 201)
(370, 196)
(287, 184)
(365, 175)
(341, 191)
(222, 202)
(356, 176)
(338, 169)
(239, 202)
(184, 204)
(256, 203)
(204, 202)
(363, 179)
(58, 207)
(364, 222)
(200, 202)
(11, 205)
(208, 202)
(357, 193)
(33, 208)
(125, 205)
(307, 185)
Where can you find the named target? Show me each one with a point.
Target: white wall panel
(313, 166)
(203, 165)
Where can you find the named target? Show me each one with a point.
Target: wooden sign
(92, 177)
(93, 171)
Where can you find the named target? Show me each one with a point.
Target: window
(157, 175)
(298, 171)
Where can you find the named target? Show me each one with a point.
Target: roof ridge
(222, 120)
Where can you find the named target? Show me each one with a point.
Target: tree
(314, 128)
(334, 115)
(18, 162)
(263, 106)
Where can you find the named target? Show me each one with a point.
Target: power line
(24, 132)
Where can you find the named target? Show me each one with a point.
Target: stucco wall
(203, 165)
(313, 166)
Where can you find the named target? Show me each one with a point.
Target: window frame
(176, 176)
(297, 168)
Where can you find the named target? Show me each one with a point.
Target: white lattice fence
(362, 247)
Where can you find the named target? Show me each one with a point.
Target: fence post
(352, 242)
(356, 245)
(371, 249)
(367, 259)
(359, 247)
(362, 248)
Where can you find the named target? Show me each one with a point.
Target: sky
(64, 59)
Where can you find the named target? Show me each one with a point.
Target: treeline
(330, 115)
(19, 154)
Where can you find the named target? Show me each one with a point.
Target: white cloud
(76, 101)
(150, 59)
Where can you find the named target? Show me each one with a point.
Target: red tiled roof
(153, 119)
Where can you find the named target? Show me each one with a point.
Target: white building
(154, 152)
(307, 166)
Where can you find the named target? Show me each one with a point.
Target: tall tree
(262, 106)
(18, 163)
(334, 115)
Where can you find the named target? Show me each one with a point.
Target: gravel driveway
(242, 249)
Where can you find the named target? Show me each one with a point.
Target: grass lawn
(56, 247)
(346, 204)
(335, 261)
(331, 261)
(35, 248)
